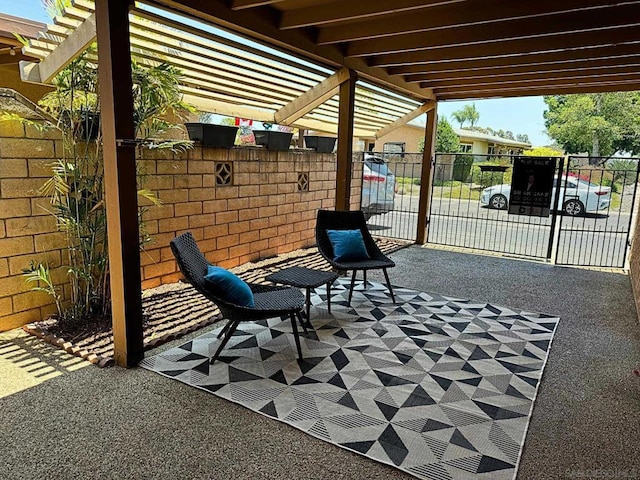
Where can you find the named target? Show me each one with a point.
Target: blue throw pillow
(229, 287)
(348, 245)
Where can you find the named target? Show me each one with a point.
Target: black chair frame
(351, 220)
(270, 301)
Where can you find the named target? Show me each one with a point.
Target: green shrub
(462, 167)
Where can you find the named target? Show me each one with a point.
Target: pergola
(405, 55)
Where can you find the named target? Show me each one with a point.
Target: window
(466, 147)
(393, 147)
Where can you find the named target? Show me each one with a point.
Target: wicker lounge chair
(351, 220)
(270, 301)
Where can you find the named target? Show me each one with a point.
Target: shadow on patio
(134, 424)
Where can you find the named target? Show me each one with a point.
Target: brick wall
(27, 232)
(260, 214)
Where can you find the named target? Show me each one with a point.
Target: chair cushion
(229, 287)
(348, 245)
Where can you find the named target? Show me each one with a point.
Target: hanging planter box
(210, 135)
(273, 139)
(320, 144)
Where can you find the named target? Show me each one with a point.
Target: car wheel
(573, 208)
(499, 202)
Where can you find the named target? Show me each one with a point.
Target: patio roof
(226, 74)
(424, 50)
(451, 49)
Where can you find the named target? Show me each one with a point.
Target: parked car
(579, 197)
(378, 186)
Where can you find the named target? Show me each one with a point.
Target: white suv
(378, 186)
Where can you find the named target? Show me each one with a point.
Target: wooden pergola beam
(441, 17)
(428, 156)
(533, 60)
(552, 78)
(612, 79)
(541, 90)
(344, 154)
(312, 98)
(425, 107)
(118, 132)
(70, 48)
(242, 4)
(523, 28)
(530, 71)
(263, 24)
(526, 46)
(340, 11)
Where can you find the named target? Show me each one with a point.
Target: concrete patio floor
(63, 418)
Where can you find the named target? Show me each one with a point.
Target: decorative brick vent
(303, 182)
(224, 173)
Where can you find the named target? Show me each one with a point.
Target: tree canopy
(598, 124)
(468, 113)
(543, 152)
(446, 139)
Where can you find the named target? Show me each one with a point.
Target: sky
(520, 115)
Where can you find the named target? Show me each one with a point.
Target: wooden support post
(118, 131)
(345, 142)
(428, 155)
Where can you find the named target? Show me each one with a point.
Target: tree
(599, 124)
(446, 139)
(523, 137)
(76, 186)
(471, 114)
(459, 116)
(468, 113)
(543, 152)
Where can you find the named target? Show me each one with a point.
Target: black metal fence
(466, 212)
(590, 225)
(470, 193)
(599, 237)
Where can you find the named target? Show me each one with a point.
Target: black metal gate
(599, 236)
(470, 193)
(590, 226)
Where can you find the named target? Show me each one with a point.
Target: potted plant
(211, 135)
(320, 144)
(279, 140)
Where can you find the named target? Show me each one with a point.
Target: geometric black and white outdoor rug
(439, 387)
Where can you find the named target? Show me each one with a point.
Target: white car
(578, 198)
(378, 187)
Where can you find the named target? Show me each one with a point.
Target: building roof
(10, 46)
(474, 135)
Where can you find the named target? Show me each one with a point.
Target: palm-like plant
(76, 186)
(459, 116)
(471, 114)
